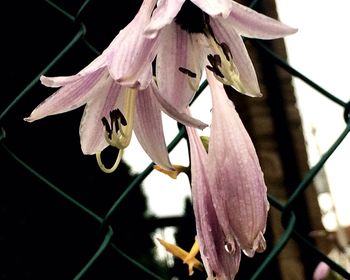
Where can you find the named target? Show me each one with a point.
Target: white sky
(321, 51)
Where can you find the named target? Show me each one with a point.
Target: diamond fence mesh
(61, 217)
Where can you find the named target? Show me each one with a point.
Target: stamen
(115, 165)
(188, 72)
(222, 64)
(188, 258)
(119, 131)
(226, 50)
(192, 78)
(107, 127)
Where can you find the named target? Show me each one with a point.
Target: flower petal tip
(46, 81)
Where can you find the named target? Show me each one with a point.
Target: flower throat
(191, 18)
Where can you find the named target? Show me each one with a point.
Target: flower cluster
(178, 41)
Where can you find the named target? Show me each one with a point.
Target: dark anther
(216, 71)
(121, 117)
(116, 116)
(226, 50)
(107, 127)
(188, 72)
(215, 61)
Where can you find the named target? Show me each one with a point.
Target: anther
(187, 72)
(226, 50)
(107, 127)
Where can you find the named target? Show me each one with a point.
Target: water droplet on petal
(249, 252)
(261, 243)
(229, 247)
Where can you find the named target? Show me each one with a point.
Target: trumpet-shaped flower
(229, 194)
(221, 259)
(190, 31)
(120, 95)
(237, 183)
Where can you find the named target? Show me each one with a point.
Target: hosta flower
(120, 95)
(220, 258)
(237, 184)
(229, 194)
(190, 31)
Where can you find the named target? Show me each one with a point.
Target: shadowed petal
(71, 95)
(177, 115)
(164, 14)
(237, 183)
(91, 127)
(179, 50)
(252, 24)
(240, 57)
(148, 128)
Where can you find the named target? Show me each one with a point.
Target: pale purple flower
(229, 194)
(119, 94)
(237, 186)
(221, 260)
(189, 31)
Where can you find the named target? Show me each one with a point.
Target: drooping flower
(220, 258)
(190, 31)
(118, 85)
(237, 186)
(229, 194)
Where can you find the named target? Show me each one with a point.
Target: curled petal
(55, 82)
(252, 24)
(71, 95)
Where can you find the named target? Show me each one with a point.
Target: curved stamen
(119, 131)
(115, 165)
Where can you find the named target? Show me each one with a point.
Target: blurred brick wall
(274, 123)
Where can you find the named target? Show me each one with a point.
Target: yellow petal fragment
(172, 173)
(187, 257)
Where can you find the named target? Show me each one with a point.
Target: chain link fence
(60, 217)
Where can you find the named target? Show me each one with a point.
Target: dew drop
(229, 248)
